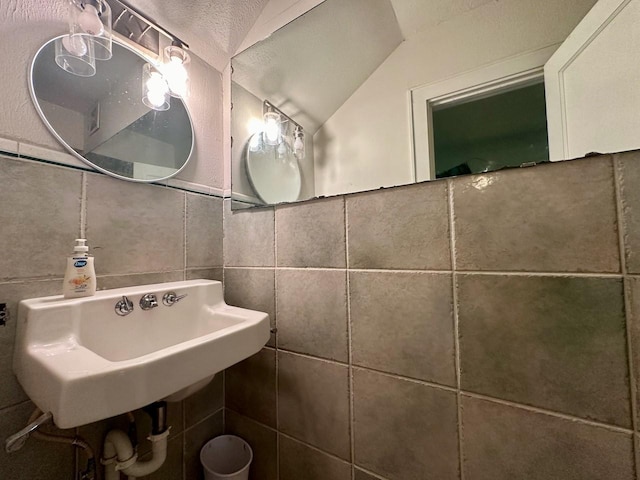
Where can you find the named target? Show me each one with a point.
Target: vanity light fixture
(272, 128)
(75, 54)
(276, 130)
(95, 20)
(89, 37)
(175, 69)
(155, 91)
(298, 142)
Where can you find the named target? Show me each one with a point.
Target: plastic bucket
(226, 457)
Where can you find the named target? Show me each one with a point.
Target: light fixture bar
(267, 106)
(149, 21)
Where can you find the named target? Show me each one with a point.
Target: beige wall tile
(40, 218)
(553, 342)
(313, 402)
(134, 228)
(206, 273)
(263, 442)
(253, 289)
(360, 475)
(632, 291)
(551, 218)
(250, 387)
(121, 281)
(298, 461)
(204, 231)
(506, 443)
(312, 312)
(249, 237)
(628, 172)
(311, 234)
(403, 323)
(204, 402)
(404, 430)
(400, 228)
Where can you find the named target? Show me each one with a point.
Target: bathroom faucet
(124, 306)
(148, 301)
(170, 298)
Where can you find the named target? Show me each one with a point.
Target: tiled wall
(139, 234)
(472, 328)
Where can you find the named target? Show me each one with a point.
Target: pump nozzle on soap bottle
(80, 276)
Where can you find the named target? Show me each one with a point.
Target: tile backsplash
(139, 234)
(482, 327)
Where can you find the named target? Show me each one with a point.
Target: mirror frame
(68, 147)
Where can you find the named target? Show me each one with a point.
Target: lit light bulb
(282, 151)
(298, 143)
(272, 128)
(254, 126)
(156, 89)
(177, 77)
(89, 21)
(75, 45)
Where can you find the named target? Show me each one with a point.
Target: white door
(592, 84)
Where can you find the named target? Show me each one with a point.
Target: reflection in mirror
(392, 92)
(102, 118)
(484, 134)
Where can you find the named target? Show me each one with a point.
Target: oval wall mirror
(273, 171)
(102, 120)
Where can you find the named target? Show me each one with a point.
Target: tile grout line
(313, 447)
(352, 439)
(83, 205)
(202, 420)
(471, 394)
(275, 341)
(444, 272)
(549, 413)
(456, 326)
(526, 408)
(184, 236)
(627, 310)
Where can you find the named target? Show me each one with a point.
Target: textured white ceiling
(329, 51)
(417, 15)
(212, 28)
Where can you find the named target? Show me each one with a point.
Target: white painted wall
(274, 15)
(367, 142)
(26, 24)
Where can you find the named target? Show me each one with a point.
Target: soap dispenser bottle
(80, 276)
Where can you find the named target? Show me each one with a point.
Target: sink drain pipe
(120, 456)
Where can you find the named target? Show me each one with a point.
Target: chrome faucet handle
(170, 298)
(124, 306)
(148, 301)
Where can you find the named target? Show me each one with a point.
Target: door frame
(503, 75)
(594, 22)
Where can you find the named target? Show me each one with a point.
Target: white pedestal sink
(81, 361)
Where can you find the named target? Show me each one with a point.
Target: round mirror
(273, 171)
(102, 120)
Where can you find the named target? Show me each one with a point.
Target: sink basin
(81, 361)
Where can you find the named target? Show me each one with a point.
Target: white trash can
(226, 457)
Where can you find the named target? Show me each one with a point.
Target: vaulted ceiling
(213, 29)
